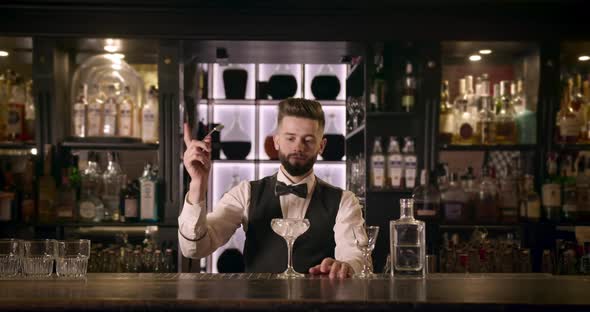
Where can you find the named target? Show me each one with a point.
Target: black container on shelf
(334, 148)
(282, 86)
(235, 81)
(325, 87)
(236, 150)
(262, 90)
(215, 142)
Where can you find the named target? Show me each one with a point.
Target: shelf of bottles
(17, 128)
(244, 98)
(113, 101)
(489, 94)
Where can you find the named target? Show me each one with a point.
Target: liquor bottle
(569, 209)
(130, 202)
(471, 188)
(149, 117)
(447, 116)
(509, 199)
(149, 195)
(5, 88)
(465, 127)
(29, 134)
(7, 195)
(471, 97)
(47, 190)
(27, 200)
(497, 98)
(408, 89)
(531, 201)
(486, 124)
(91, 208)
(66, 199)
(427, 197)
(487, 204)
(377, 165)
(15, 126)
(585, 259)
(126, 114)
(454, 202)
(586, 110)
(379, 87)
(410, 163)
(505, 119)
(584, 193)
(169, 262)
(518, 96)
(94, 116)
(395, 164)
(74, 176)
(526, 120)
(551, 191)
(407, 242)
(110, 111)
(568, 120)
(113, 180)
(79, 112)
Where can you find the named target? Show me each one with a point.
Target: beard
(297, 169)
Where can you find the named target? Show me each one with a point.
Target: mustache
(297, 155)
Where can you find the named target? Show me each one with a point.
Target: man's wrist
(197, 192)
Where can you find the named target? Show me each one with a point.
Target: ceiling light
(485, 51)
(112, 45)
(111, 48)
(475, 58)
(3, 53)
(583, 58)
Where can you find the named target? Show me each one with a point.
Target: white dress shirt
(201, 233)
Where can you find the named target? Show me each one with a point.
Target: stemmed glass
(365, 238)
(290, 229)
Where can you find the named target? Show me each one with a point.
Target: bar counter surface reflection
(263, 291)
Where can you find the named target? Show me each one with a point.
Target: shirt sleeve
(201, 233)
(349, 215)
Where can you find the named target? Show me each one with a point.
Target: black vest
(266, 252)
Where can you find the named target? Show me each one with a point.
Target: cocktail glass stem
(290, 256)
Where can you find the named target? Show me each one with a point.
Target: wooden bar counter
(255, 292)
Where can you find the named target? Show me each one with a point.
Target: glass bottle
(29, 112)
(471, 97)
(569, 209)
(94, 115)
(568, 120)
(269, 144)
(509, 199)
(79, 112)
(505, 119)
(149, 117)
(487, 204)
(465, 127)
(91, 208)
(235, 142)
(526, 120)
(518, 96)
(427, 197)
(15, 126)
(47, 190)
(130, 202)
(486, 124)
(410, 163)
(454, 202)
(497, 99)
(149, 199)
(126, 114)
(379, 87)
(377, 165)
(113, 180)
(447, 116)
(551, 191)
(395, 164)
(110, 110)
(169, 261)
(583, 186)
(66, 200)
(532, 201)
(408, 89)
(408, 243)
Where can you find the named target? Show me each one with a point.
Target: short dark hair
(297, 107)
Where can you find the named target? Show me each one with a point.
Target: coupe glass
(290, 229)
(365, 237)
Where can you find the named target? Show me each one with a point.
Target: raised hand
(197, 161)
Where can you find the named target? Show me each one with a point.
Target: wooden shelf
(487, 226)
(572, 147)
(353, 133)
(528, 147)
(90, 224)
(17, 148)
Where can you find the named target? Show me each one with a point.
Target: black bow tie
(299, 189)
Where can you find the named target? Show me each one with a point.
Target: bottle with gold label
(486, 124)
(465, 126)
(506, 131)
(568, 119)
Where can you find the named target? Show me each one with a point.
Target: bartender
(328, 247)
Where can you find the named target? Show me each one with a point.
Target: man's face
(299, 142)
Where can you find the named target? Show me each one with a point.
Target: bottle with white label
(551, 191)
(110, 110)
(130, 202)
(149, 118)
(377, 165)
(533, 201)
(79, 112)
(395, 164)
(148, 195)
(126, 113)
(410, 163)
(94, 112)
